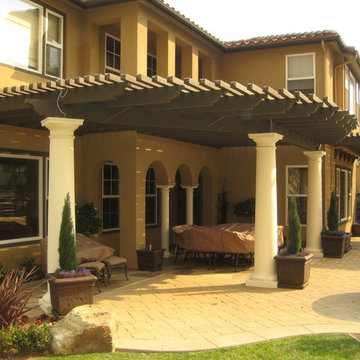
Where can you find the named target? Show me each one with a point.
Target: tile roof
(281, 39)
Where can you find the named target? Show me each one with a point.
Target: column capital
(265, 139)
(314, 155)
(62, 126)
(165, 186)
(190, 187)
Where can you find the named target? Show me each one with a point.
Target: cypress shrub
(294, 229)
(67, 246)
(333, 215)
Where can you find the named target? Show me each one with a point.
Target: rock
(85, 329)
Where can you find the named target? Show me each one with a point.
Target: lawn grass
(309, 347)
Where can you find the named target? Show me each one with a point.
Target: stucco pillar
(61, 180)
(165, 222)
(314, 202)
(266, 232)
(189, 203)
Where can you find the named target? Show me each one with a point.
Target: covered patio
(215, 114)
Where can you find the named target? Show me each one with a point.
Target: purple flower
(63, 274)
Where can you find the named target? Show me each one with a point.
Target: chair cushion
(97, 265)
(114, 260)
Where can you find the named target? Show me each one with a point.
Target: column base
(45, 302)
(315, 252)
(268, 284)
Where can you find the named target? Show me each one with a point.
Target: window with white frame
(300, 73)
(110, 197)
(351, 92)
(112, 54)
(25, 23)
(150, 198)
(297, 187)
(151, 54)
(21, 192)
(343, 192)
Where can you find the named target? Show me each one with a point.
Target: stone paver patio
(188, 309)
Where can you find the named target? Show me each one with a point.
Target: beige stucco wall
(267, 67)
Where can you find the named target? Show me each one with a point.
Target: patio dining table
(233, 238)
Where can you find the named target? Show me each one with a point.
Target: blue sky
(242, 19)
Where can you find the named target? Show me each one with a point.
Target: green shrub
(5, 341)
(25, 339)
(87, 221)
(332, 214)
(31, 338)
(67, 246)
(245, 208)
(294, 229)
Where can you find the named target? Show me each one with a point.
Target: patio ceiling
(217, 114)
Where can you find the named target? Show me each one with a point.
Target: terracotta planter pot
(293, 271)
(334, 245)
(69, 293)
(150, 259)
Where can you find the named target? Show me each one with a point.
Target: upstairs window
(54, 44)
(112, 54)
(150, 198)
(151, 54)
(23, 24)
(300, 73)
(351, 92)
(110, 197)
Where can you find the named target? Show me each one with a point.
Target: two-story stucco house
(149, 117)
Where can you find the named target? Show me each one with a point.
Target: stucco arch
(161, 175)
(185, 175)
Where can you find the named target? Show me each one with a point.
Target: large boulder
(85, 329)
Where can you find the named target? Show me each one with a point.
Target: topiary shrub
(87, 221)
(67, 245)
(332, 214)
(294, 229)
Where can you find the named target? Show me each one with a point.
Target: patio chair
(98, 269)
(112, 262)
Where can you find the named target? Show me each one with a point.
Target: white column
(189, 203)
(61, 180)
(266, 232)
(314, 202)
(165, 227)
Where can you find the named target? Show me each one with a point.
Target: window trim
(113, 70)
(347, 194)
(40, 198)
(151, 196)
(60, 47)
(109, 197)
(300, 78)
(287, 167)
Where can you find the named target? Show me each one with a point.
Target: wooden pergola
(217, 114)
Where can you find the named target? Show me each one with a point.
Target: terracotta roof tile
(279, 39)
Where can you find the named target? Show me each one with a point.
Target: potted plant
(70, 286)
(334, 241)
(292, 263)
(150, 259)
(245, 210)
